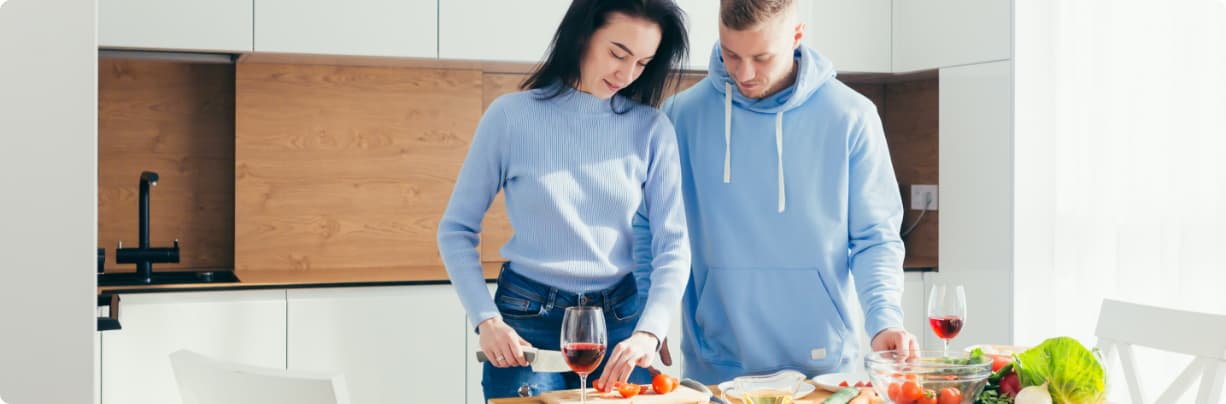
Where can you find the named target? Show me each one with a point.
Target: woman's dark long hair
(585, 17)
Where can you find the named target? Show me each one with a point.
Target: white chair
(1122, 325)
(203, 380)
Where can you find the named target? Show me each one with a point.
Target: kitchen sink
(164, 278)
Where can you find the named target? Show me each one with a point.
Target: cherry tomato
(663, 384)
(950, 395)
(910, 392)
(930, 397)
(893, 391)
(628, 390)
(999, 361)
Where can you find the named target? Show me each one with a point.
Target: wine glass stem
(946, 341)
(582, 388)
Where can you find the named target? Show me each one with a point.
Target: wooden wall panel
(912, 130)
(347, 167)
(176, 119)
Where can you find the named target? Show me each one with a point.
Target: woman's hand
(638, 350)
(502, 345)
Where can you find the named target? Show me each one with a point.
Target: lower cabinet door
(396, 344)
(246, 327)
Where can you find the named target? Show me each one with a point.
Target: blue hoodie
(787, 199)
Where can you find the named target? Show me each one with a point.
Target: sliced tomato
(628, 390)
(844, 384)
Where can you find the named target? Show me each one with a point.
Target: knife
(702, 388)
(542, 360)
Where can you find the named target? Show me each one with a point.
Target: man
(789, 194)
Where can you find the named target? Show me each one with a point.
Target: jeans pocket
(514, 305)
(627, 308)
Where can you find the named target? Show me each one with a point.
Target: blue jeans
(535, 311)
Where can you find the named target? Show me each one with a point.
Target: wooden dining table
(816, 397)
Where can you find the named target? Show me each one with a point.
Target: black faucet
(144, 256)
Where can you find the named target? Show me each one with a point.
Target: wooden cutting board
(681, 395)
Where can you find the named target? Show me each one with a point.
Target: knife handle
(528, 356)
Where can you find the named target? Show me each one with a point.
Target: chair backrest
(204, 380)
(1122, 325)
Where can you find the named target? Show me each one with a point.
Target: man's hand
(895, 339)
(502, 345)
(638, 350)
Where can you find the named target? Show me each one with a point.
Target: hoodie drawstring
(728, 145)
(727, 132)
(779, 152)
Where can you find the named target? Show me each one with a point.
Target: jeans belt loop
(604, 296)
(549, 301)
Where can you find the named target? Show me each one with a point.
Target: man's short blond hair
(745, 14)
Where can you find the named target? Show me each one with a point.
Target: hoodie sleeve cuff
(881, 319)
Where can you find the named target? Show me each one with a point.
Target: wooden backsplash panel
(347, 167)
(176, 119)
(496, 228)
(912, 130)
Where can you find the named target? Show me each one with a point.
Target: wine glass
(583, 342)
(946, 312)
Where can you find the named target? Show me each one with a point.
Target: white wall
(48, 200)
(1120, 179)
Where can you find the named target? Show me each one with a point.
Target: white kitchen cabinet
(854, 35)
(246, 327)
(395, 344)
(941, 33)
(915, 306)
(977, 190)
(473, 370)
(498, 30)
(394, 28)
(207, 26)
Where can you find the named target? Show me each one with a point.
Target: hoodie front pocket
(767, 318)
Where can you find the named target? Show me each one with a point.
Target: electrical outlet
(922, 193)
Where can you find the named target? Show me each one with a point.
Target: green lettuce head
(1073, 373)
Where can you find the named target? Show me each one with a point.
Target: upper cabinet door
(941, 33)
(394, 28)
(201, 26)
(854, 35)
(498, 30)
(702, 18)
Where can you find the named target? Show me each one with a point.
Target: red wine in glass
(947, 312)
(583, 357)
(946, 327)
(583, 342)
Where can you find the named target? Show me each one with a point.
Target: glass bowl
(929, 373)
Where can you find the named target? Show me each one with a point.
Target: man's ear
(799, 35)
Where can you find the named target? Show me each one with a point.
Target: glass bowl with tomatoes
(930, 377)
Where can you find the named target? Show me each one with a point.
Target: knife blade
(702, 388)
(541, 360)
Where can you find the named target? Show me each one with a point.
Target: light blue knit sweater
(574, 173)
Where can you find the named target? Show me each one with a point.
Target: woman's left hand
(638, 350)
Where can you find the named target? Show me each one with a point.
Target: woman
(577, 153)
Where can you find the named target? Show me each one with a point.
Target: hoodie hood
(812, 72)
